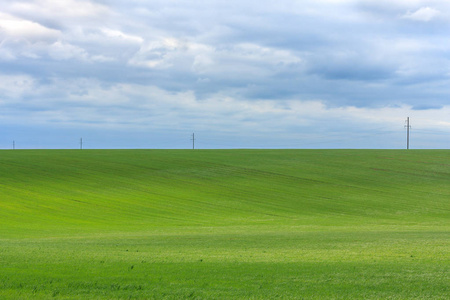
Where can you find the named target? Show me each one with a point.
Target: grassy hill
(224, 224)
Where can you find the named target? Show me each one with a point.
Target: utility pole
(193, 141)
(81, 143)
(14, 145)
(407, 132)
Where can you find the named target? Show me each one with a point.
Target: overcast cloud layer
(266, 74)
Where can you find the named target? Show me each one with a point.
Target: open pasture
(224, 224)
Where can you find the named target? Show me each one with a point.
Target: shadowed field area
(224, 224)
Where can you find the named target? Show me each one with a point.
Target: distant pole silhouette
(193, 141)
(407, 132)
(14, 145)
(81, 143)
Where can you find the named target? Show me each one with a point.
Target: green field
(224, 224)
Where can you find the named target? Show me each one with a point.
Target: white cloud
(424, 14)
(64, 51)
(15, 86)
(256, 53)
(57, 10)
(6, 54)
(152, 107)
(101, 58)
(15, 28)
(163, 53)
(117, 34)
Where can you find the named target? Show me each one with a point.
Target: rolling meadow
(224, 224)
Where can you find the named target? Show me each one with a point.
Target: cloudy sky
(240, 74)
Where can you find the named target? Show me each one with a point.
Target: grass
(224, 224)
